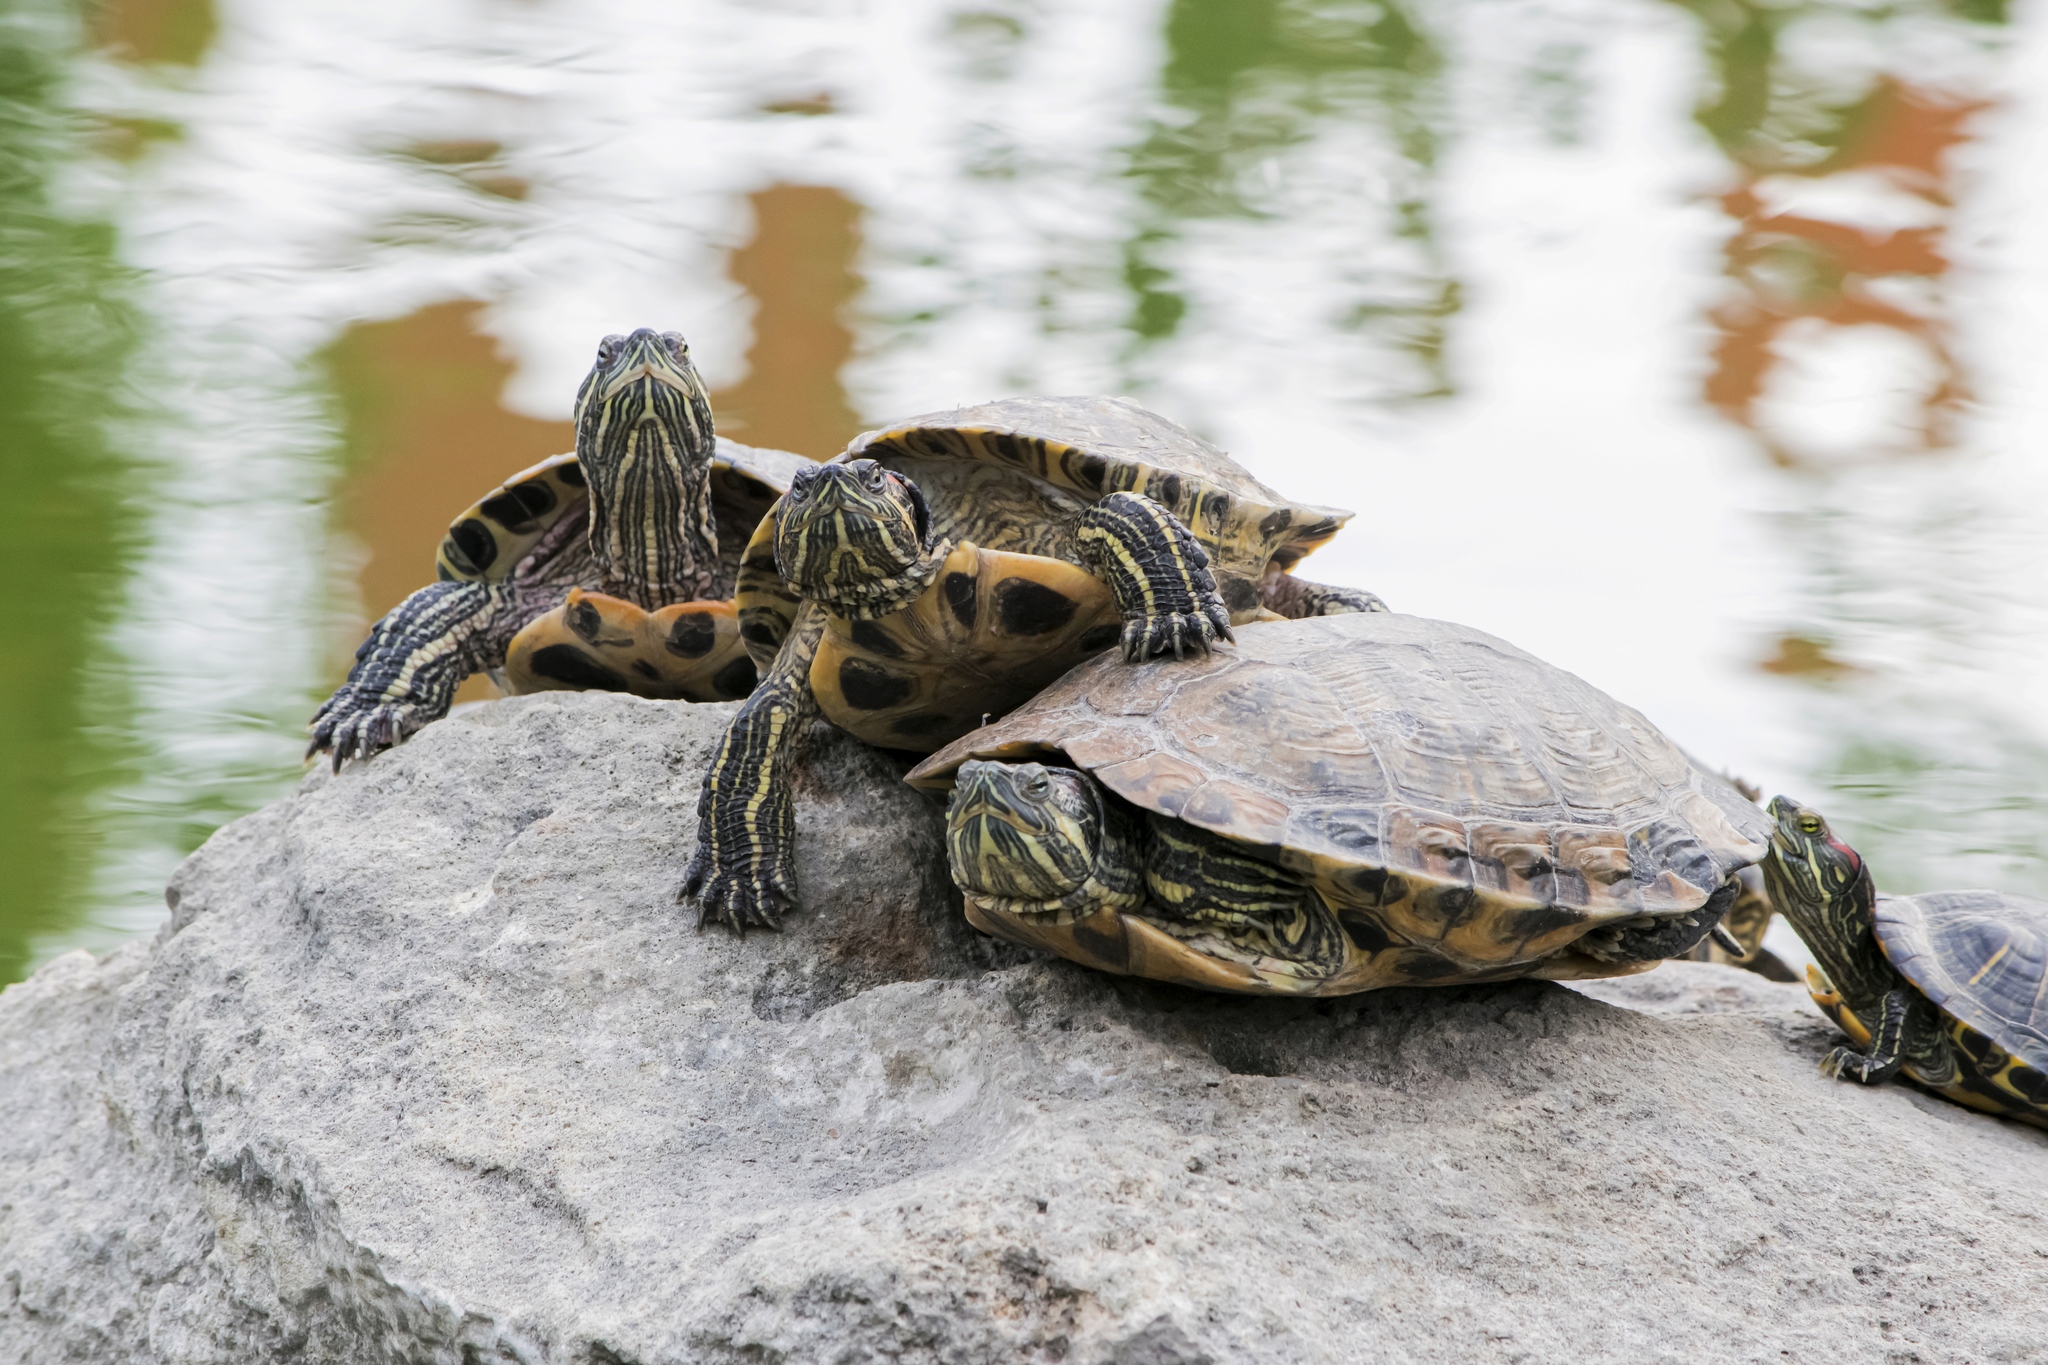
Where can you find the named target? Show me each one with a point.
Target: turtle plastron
(689, 651)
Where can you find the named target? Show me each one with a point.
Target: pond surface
(1695, 347)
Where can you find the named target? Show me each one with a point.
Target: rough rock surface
(427, 1067)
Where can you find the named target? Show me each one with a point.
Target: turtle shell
(1466, 809)
(1982, 958)
(492, 535)
(1014, 475)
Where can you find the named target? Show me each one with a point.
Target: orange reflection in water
(176, 32)
(426, 437)
(800, 269)
(1791, 266)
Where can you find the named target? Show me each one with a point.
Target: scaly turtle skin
(947, 568)
(1948, 989)
(612, 567)
(1339, 805)
(1739, 940)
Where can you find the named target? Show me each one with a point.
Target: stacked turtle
(612, 567)
(1346, 800)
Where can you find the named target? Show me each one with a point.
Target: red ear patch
(1854, 859)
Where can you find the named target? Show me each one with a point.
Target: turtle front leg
(406, 672)
(1904, 1021)
(743, 872)
(1159, 574)
(1284, 594)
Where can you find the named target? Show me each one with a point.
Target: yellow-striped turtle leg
(744, 871)
(1908, 1030)
(1159, 574)
(406, 673)
(1284, 594)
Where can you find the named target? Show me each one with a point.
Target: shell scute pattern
(1363, 748)
(1097, 446)
(1982, 956)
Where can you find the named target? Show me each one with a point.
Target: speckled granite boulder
(428, 1067)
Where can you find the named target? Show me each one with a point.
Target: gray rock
(428, 1067)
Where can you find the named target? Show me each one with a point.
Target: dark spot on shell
(1524, 925)
(1088, 472)
(2029, 1082)
(1103, 950)
(475, 543)
(584, 621)
(568, 664)
(571, 474)
(736, 679)
(1101, 637)
(1376, 884)
(1273, 523)
(1029, 608)
(922, 724)
(1215, 507)
(760, 633)
(869, 688)
(1444, 905)
(1364, 930)
(1166, 492)
(693, 634)
(875, 639)
(445, 574)
(959, 590)
(646, 670)
(1419, 964)
(1240, 594)
(930, 442)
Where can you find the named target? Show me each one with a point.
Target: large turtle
(612, 567)
(1949, 989)
(1338, 805)
(948, 567)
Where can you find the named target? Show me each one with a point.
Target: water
(1692, 347)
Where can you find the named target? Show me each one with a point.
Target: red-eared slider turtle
(948, 567)
(1338, 805)
(1949, 989)
(609, 568)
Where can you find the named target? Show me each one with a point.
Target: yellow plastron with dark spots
(687, 652)
(991, 631)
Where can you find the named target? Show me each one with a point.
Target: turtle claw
(362, 734)
(1181, 632)
(1847, 1064)
(756, 898)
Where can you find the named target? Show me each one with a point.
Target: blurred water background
(1693, 346)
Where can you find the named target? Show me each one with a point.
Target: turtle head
(1024, 832)
(855, 536)
(1816, 881)
(644, 441)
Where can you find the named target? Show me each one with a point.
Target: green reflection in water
(65, 333)
(1245, 81)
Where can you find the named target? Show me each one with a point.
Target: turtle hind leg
(1652, 939)
(1281, 592)
(1159, 574)
(406, 672)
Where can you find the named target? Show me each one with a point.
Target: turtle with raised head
(1948, 989)
(946, 568)
(611, 567)
(1338, 805)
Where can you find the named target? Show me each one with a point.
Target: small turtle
(611, 568)
(1949, 989)
(947, 568)
(1338, 805)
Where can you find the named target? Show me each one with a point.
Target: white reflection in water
(1523, 183)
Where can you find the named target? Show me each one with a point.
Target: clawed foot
(360, 733)
(751, 897)
(1180, 633)
(1848, 1064)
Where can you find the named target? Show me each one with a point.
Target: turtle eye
(1810, 824)
(877, 478)
(1037, 785)
(676, 345)
(608, 349)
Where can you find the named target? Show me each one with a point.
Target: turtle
(945, 568)
(610, 567)
(1740, 943)
(1948, 989)
(1340, 804)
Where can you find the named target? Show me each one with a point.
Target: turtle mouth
(644, 366)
